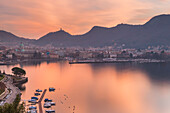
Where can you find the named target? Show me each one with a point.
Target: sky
(35, 18)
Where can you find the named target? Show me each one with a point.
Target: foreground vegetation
(15, 107)
(1, 91)
(18, 71)
(1, 77)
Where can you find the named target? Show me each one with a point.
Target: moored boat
(50, 111)
(36, 94)
(32, 111)
(32, 101)
(51, 89)
(52, 103)
(47, 100)
(47, 105)
(32, 107)
(38, 90)
(35, 98)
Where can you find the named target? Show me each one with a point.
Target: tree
(18, 71)
(15, 107)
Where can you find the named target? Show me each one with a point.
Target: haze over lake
(101, 88)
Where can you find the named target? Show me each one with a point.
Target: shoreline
(107, 60)
(28, 60)
(140, 61)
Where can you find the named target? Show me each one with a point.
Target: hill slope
(154, 32)
(10, 39)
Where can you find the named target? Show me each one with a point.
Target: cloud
(34, 18)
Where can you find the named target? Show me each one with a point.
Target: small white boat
(32, 108)
(47, 105)
(32, 111)
(52, 103)
(50, 111)
(32, 101)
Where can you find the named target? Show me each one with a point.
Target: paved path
(39, 102)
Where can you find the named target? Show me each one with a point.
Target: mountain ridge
(152, 33)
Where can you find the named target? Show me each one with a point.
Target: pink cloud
(35, 18)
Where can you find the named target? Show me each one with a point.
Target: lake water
(100, 88)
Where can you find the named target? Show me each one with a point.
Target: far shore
(118, 61)
(81, 61)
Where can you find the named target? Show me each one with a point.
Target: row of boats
(50, 89)
(47, 102)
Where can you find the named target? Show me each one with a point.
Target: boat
(32, 107)
(36, 94)
(52, 103)
(32, 101)
(47, 105)
(51, 89)
(50, 111)
(35, 98)
(32, 111)
(47, 100)
(38, 90)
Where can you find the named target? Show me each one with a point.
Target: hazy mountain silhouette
(11, 39)
(154, 32)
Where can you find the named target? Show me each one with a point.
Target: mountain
(9, 39)
(58, 38)
(154, 32)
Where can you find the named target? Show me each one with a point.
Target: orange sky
(35, 18)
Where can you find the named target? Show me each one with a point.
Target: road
(14, 91)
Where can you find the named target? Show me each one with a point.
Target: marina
(35, 100)
(48, 103)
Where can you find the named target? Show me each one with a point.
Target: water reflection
(101, 88)
(156, 71)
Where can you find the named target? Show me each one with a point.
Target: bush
(15, 107)
(18, 71)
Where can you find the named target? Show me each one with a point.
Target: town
(22, 53)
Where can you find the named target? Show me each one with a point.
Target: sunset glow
(35, 18)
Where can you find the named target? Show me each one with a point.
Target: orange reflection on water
(121, 92)
(91, 90)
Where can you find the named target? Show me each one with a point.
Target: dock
(39, 102)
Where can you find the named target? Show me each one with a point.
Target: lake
(100, 88)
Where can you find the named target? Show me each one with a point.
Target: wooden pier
(39, 102)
